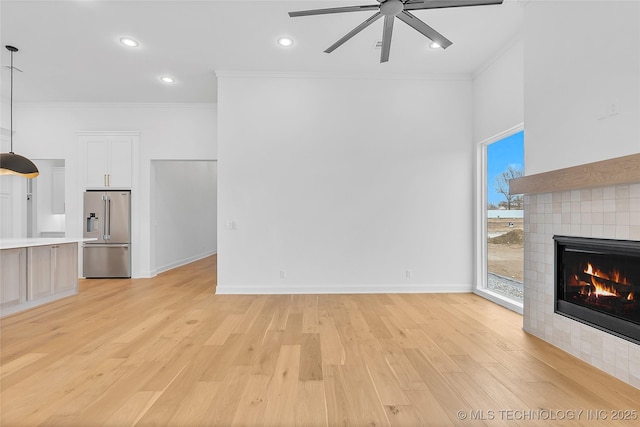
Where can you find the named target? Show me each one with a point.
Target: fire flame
(615, 275)
(630, 296)
(602, 289)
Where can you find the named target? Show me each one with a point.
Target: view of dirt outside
(505, 247)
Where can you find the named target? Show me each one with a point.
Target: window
(501, 240)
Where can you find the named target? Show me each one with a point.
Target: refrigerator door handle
(105, 219)
(107, 222)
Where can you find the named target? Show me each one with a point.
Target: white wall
(184, 200)
(167, 131)
(498, 93)
(581, 56)
(344, 184)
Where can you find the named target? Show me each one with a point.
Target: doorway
(46, 205)
(184, 212)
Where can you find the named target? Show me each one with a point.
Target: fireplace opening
(598, 283)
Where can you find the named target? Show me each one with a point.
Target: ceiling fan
(391, 9)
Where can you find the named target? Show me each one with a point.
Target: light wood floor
(167, 351)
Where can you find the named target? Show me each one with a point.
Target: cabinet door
(13, 276)
(39, 279)
(65, 267)
(119, 174)
(97, 162)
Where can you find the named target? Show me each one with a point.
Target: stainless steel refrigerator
(107, 217)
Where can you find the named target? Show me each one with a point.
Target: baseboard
(182, 262)
(145, 274)
(221, 289)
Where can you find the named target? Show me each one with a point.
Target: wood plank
(448, 398)
(333, 352)
(620, 170)
(253, 402)
(200, 399)
(226, 328)
(225, 406)
(386, 385)
(310, 316)
(341, 410)
(130, 412)
(283, 388)
(428, 409)
(311, 408)
(310, 358)
(404, 372)
(403, 415)
(19, 363)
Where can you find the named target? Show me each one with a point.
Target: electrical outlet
(283, 274)
(408, 273)
(229, 225)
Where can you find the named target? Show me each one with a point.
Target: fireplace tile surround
(610, 212)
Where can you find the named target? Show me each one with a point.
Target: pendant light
(12, 163)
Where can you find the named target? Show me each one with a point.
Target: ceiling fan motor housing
(391, 7)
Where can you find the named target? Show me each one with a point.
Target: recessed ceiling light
(434, 45)
(128, 42)
(167, 79)
(285, 41)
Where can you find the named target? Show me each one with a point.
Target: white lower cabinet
(65, 264)
(37, 274)
(40, 269)
(52, 269)
(13, 276)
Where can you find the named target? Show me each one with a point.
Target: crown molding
(343, 75)
(115, 105)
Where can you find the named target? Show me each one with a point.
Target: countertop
(25, 242)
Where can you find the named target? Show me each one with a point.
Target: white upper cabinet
(108, 159)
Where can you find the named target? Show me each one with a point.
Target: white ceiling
(70, 50)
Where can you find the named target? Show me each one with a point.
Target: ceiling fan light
(129, 42)
(285, 41)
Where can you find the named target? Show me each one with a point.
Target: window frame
(481, 250)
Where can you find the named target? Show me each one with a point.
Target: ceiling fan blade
(423, 28)
(353, 32)
(439, 4)
(334, 10)
(386, 38)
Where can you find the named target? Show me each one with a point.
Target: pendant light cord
(11, 107)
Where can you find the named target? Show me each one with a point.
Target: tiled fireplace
(611, 212)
